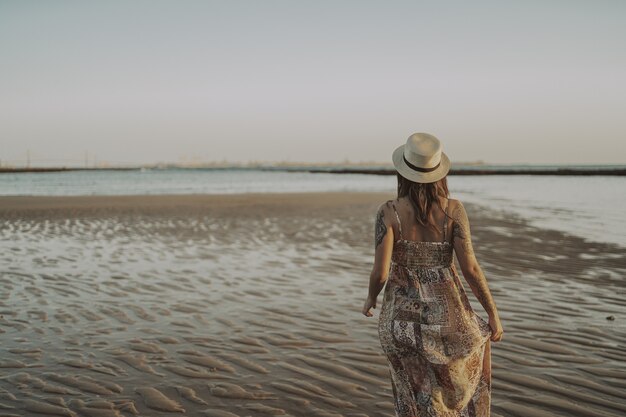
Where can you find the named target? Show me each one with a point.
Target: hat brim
(417, 176)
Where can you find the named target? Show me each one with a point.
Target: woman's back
(425, 246)
(411, 230)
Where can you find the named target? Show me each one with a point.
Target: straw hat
(421, 159)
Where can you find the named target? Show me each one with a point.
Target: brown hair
(423, 196)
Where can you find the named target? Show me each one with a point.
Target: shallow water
(591, 207)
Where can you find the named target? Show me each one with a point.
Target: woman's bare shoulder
(455, 208)
(385, 207)
(387, 203)
(453, 203)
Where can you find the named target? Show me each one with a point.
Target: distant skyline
(541, 82)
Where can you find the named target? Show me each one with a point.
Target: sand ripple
(238, 306)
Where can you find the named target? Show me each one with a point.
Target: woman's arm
(467, 260)
(471, 270)
(383, 246)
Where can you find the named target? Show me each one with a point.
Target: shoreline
(94, 205)
(154, 203)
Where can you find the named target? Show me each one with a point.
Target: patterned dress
(438, 348)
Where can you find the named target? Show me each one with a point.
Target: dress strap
(445, 221)
(398, 218)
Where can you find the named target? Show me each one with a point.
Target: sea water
(592, 207)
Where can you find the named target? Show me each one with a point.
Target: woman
(438, 348)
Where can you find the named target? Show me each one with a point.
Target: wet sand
(250, 305)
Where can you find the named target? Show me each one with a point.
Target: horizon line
(104, 164)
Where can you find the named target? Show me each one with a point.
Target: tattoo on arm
(380, 229)
(484, 297)
(461, 229)
(481, 290)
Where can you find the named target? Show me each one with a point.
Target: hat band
(410, 165)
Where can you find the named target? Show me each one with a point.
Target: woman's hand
(369, 303)
(496, 328)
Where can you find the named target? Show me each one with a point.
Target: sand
(250, 305)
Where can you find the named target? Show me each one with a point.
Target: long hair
(423, 196)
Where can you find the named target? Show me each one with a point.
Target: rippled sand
(250, 305)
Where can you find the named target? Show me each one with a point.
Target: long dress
(438, 348)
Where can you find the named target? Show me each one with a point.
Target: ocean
(591, 207)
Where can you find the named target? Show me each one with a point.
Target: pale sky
(313, 81)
